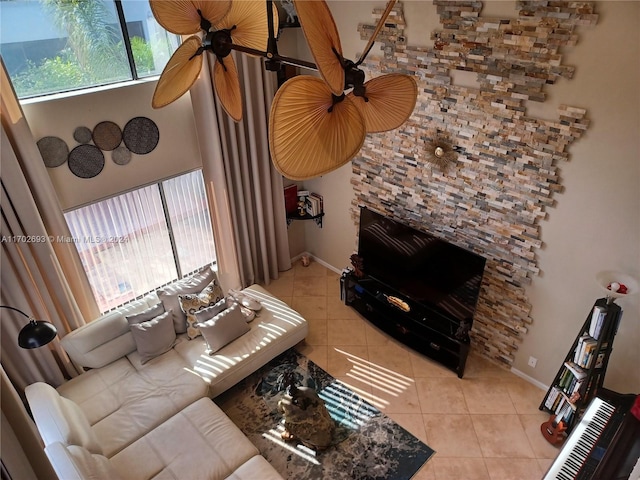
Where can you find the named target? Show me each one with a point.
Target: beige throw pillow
(193, 303)
(224, 328)
(194, 284)
(154, 337)
(145, 315)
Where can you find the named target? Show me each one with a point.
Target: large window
(52, 46)
(133, 243)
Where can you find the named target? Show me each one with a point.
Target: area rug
(366, 444)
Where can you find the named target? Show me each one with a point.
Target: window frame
(170, 231)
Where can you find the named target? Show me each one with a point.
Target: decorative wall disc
(82, 135)
(86, 161)
(121, 155)
(141, 135)
(54, 151)
(107, 135)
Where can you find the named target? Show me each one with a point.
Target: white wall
(177, 150)
(595, 224)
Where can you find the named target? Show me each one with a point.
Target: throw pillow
(224, 328)
(154, 337)
(193, 303)
(145, 315)
(169, 295)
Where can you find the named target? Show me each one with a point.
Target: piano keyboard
(579, 446)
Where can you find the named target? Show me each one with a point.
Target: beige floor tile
(317, 332)
(346, 332)
(452, 435)
(310, 307)
(313, 270)
(333, 284)
(412, 423)
(375, 336)
(480, 367)
(350, 360)
(309, 287)
(502, 436)
(441, 395)
(282, 287)
(426, 472)
(525, 397)
(531, 424)
(424, 367)
(392, 357)
(336, 309)
(488, 395)
(545, 464)
(459, 468)
(513, 469)
(316, 353)
(400, 398)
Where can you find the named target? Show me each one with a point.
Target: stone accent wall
(492, 198)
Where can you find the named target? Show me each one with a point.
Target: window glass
(51, 46)
(133, 243)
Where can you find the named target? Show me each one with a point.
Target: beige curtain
(35, 271)
(248, 190)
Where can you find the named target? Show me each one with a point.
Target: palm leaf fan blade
(391, 100)
(227, 87)
(375, 33)
(247, 21)
(179, 74)
(323, 39)
(305, 139)
(182, 17)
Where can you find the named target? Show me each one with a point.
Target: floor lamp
(36, 333)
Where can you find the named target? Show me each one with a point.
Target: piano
(604, 445)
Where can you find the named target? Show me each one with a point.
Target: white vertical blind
(125, 241)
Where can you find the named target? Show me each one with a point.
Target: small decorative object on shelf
(309, 207)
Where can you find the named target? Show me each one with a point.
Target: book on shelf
(291, 198)
(597, 320)
(313, 204)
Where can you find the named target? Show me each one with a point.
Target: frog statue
(306, 418)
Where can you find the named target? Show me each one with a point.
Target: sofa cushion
(194, 284)
(59, 419)
(148, 314)
(198, 443)
(194, 302)
(154, 337)
(78, 463)
(223, 328)
(277, 328)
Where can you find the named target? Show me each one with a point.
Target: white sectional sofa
(129, 419)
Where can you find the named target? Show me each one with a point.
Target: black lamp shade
(36, 334)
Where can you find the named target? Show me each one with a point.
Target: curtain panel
(248, 189)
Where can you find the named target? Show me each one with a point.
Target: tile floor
(484, 426)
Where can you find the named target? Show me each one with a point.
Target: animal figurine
(306, 418)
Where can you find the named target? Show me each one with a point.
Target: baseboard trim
(529, 379)
(318, 260)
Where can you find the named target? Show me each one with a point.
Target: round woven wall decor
(86, 161)
(141, 135)
(82, 135)
(121, 155)
(107, 135)
(54, 151)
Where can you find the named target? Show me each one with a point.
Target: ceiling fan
(225, 25)
(314, 127)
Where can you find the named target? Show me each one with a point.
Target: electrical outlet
(533, 361)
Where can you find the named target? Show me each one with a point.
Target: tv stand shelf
(423, 329)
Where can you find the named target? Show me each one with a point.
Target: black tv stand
(422, 328)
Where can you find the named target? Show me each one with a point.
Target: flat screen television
(420, 267)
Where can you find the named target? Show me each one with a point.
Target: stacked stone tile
(492, 198)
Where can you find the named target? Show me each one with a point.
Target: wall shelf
(294, 216)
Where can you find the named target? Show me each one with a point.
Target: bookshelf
(584, 367)
(306, 206)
